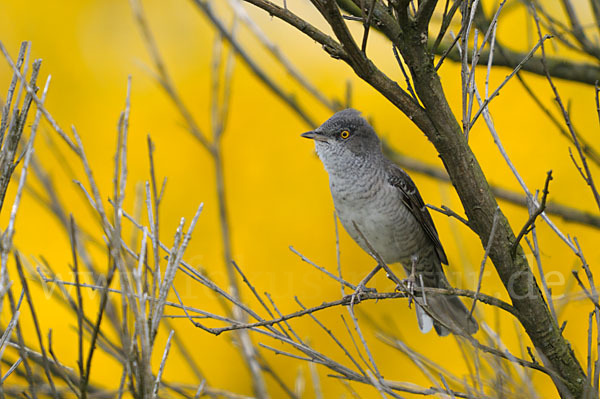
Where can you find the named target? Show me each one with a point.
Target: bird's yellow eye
(345, 134)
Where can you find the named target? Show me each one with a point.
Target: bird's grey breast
(364, 199)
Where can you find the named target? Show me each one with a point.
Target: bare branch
(485, 256)
(533, 216)
(37, 326)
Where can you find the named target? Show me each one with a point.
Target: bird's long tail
(450, 311)
(447, 310)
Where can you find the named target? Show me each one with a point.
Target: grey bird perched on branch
(382, 210)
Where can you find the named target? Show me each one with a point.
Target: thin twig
(367, 25)
(538, 211)
(488, 247)
(37, 325)
(495, 93)
(333, 276)
(162, 365)
(10, 370)
(73, 238)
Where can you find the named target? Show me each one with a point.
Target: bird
(382, 210)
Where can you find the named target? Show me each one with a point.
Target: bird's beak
(314, 135)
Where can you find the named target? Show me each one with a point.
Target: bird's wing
(413, 201)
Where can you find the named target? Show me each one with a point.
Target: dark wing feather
(413, 201)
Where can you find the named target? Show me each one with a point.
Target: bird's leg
(361, 287)
(409, 282)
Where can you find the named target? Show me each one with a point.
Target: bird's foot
(408, 284)
(361, 289)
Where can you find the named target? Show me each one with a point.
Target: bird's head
(345, 137)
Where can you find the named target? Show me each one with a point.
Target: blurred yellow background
(277, 191)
